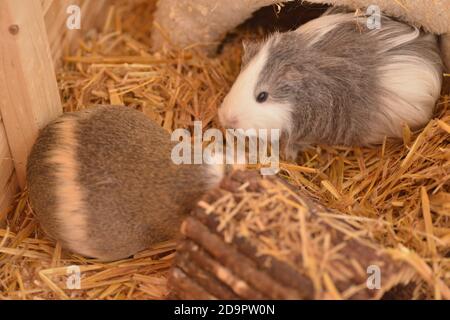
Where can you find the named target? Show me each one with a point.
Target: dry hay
(264, 239)
(398, 192)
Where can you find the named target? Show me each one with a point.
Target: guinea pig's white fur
(316, 29)
(407, 79)
(239, 108)
(414, 84)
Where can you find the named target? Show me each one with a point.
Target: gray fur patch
(333, 84)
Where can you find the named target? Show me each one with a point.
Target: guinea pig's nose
(231, 122)
(228, 121)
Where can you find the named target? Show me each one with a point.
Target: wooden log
(281, 272)
(187, 288)
(189, 263)
(321, 257)
(204, 260)
(28, 87)
(236, 262)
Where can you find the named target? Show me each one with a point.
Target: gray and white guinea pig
(335, 81)
(102, 182)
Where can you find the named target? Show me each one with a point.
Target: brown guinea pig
(102, 182)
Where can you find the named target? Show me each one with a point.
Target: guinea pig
(102, 182)
(336, 81)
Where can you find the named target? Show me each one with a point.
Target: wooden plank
(63, 40)
(7, 195)
(55, 21)
(46, 4)
(6, 162)
(95, 13)
(28, 88)
(8, 180)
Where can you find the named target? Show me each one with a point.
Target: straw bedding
(258, 237)
(399, 193)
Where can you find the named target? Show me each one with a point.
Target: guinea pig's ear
(251, 48)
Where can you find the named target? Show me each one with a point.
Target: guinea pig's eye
(262, 97)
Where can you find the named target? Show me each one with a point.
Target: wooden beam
(29, 96)
(62, 40)
(8, 180)
(7, 196)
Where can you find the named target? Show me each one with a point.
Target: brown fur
(102, 182)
